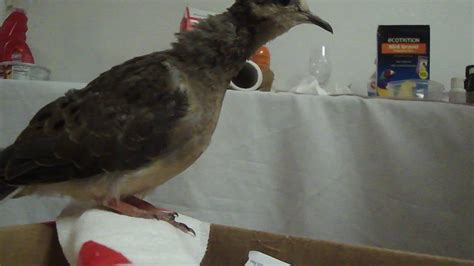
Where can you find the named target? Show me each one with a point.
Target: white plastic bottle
(457, 94)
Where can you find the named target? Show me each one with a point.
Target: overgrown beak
(318, 21)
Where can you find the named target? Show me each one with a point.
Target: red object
(191, 17)
(13, 45)
(15, 23)
(187, 22)
(95, 254)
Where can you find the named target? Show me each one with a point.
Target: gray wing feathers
(118, 122)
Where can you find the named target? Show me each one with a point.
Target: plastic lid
(457, 82)
(21, 10)
(469, 70)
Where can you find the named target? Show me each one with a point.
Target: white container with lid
(457, 94)
(23, 71)
(416, 89)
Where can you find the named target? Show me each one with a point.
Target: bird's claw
(170, 218)
(186, 229)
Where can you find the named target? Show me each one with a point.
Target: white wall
(80, 39)
(3, 9)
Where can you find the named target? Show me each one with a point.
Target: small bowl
(416, 89)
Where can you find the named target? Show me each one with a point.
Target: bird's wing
(120, 121)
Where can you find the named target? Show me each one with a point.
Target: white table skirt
(385, 173)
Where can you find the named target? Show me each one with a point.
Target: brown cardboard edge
(230, 246)
(35, 244)
(38, 244)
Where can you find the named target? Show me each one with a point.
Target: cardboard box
(403, 53)
(35, 244)
(38, 245)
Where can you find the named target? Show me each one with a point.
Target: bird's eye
(282, 2)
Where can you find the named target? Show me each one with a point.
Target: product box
(403, 53)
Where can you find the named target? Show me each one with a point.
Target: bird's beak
(318, 21)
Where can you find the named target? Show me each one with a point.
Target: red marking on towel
(95, 254)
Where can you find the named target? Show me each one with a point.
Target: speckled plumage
(146, 120)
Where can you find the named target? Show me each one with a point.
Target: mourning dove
(144, 121)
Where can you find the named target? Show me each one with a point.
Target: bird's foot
(135, 207)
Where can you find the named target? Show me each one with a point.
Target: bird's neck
(219, 45)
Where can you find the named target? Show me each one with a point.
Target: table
(386, 173)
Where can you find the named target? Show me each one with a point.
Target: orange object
(262, 57)
(404, 48)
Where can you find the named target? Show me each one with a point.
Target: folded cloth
(100, 237)
(309, 85)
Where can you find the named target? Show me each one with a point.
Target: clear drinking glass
(320, 66)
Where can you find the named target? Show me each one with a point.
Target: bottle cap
(457, 82)
(21, 10)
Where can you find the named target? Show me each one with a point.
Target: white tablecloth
(385, 173)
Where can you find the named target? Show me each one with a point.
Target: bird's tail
(6, 191)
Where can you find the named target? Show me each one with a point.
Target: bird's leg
(135, 207)
(145, 205)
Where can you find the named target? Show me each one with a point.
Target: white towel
(138, 241)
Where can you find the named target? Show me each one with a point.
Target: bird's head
(272, 18)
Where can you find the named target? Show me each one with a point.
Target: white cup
(250, 78)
